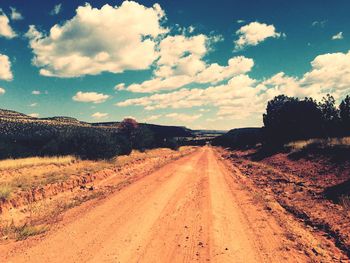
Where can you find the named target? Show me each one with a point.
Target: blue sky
(210, 65)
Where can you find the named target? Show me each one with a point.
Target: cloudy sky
(211, 65)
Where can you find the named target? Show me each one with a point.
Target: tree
(330, 115)
(143, 139)
(344, 112)
(289, 119)
(128, 128)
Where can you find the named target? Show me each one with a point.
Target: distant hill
(239, 138)
(13, 114)
(12, 121)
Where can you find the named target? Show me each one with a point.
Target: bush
(143, 139)
(87, 144)
(171, 143)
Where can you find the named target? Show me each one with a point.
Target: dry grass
(34, 172)
(345, 202)
(320, 143)
(26, 231)
(5, 192)
(35, 161)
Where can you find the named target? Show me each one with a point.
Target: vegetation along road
(195, 209)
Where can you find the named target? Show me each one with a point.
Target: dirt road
(191, 210)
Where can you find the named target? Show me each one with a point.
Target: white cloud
(88, 44)
(33, 104)
(34, 115)
(56, 10)
(153, 117)
(93, 97)
(319, 23)
(36, 92)
(188, 98)
(5, 68)
(2, 91)
(338, 36)
(330, 74)
(240, 21)
(254, 33)
(5, 28)
(181, 63)
(183, 117)
(120, 86)
(15, 15)
(215, 73)
(99, 115)
(245, 99)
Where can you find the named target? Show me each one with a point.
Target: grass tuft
(5, 192)
(345, 202)
(319, 143)
(26, 231)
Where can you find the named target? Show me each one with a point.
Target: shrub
(143, 139)
(171, 143)
(5, 192)
(87, 144)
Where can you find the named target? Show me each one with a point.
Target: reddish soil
(306, 185)
(199, 208)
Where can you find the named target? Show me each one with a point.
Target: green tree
(330, 115)
(344, 112)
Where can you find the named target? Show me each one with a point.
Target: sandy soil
(195, 209)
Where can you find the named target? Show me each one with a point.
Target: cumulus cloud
(99, 115)
(15, 15)
(5, 28)
(254, 33)
(87, 44)
(183, 117)
(56, 10)
(2, 91)
(181, 63)
(329, 74)
(93, 97)
(338, 36)
(5, 68)
(245, 98)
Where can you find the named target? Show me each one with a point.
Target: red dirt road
(191, 210)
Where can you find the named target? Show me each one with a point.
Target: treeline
(28, 139)
(289, 119)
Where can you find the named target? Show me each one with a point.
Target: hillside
(12, 121)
